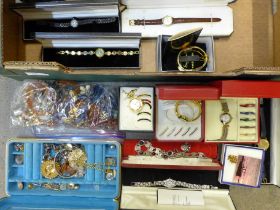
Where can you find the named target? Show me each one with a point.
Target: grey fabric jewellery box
(68, 16)
(92, 50)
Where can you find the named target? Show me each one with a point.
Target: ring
(181, 116)
(197, 54)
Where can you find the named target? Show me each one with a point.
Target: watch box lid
(171, 3)
(187, 92)
(105, 40)
(56, 4)
(57, 203)
(183, 39)
(254, 89)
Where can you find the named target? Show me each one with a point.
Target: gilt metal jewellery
(99, 52)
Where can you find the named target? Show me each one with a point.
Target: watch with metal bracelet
(75, 23)
(225, 119)
(168, 20)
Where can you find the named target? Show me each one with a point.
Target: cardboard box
(252, 51)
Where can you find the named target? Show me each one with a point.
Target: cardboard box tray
(252, 50)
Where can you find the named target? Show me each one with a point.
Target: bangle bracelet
(172, 131)
(197, 104)
(179, 131)
(191, 55)
(186, 131)
(164, 131)
(193, 131)
(99, 53)
(145, 95)
(148, 104)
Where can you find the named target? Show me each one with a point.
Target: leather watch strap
(146, 22)
(195, 20)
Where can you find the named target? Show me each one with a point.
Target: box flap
(146, 198)
(254, 89)
(170, 3)
(56, 203)
(187, 92)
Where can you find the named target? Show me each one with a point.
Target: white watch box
(158, 9)
(146, 198)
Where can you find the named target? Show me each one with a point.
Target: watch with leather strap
(168, 20)
(225, 119)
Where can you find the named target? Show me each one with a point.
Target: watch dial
(135, 104)
(167, 20)
(99, 52)
(225, 118)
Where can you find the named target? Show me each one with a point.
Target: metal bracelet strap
(98, 53)
(170, 183)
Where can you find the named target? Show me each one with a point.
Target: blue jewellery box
(49, 174)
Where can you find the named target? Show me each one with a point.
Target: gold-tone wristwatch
(225, 119)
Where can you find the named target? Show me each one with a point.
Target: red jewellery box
(229, 111)
(163, 155)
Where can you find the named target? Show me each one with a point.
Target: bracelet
(145, 148)
(144, 119)
(184, 117)
(148, 113)
(248, 113)
(99, 53)
(170, 183)
(191, 55)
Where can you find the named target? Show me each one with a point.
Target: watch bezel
(167, 19)
(230, 118)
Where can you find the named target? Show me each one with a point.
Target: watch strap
(224, 132)
(143, 22)
(224, 106)
(195, 20)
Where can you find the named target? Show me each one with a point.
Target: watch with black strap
(75, 22)
(168, 20)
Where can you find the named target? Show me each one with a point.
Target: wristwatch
(168, 20)
(225, 119)
(75, 23)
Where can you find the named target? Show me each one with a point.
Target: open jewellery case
(91, 50)
(68, 16)
(32, 183)
(163, 10)
(178, 156)
(144, 192)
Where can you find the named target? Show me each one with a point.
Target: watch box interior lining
(222, 28)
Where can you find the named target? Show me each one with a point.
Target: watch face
(225, 118)
(99, 52)
(167, 20)
(74, 23)
(136, 104)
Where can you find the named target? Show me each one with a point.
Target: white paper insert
(130, 120)
(180, 197)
